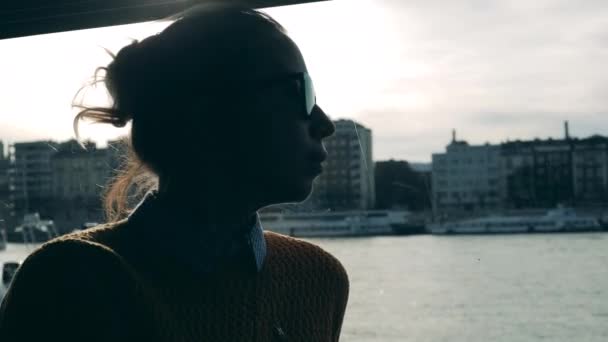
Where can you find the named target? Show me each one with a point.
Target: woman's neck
(211, 208)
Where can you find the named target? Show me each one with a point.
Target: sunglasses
(305, 88)
(310, 97)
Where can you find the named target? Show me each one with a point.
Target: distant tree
(399, 186)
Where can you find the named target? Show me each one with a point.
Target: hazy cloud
(502, 69)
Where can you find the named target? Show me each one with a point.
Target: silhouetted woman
(224, 118)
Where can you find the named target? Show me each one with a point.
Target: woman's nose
(322, 126)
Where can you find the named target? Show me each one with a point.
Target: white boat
(35, 230)
(8, 272)
(346, 223)
(557, 220)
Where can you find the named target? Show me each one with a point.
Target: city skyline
(415, 162)
(488, 69)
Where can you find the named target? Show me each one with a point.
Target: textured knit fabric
(112, 284)
(194, 242)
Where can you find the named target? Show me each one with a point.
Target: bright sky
(409, 70)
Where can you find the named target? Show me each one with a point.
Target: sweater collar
(202, 247)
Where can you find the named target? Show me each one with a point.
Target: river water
(513, 288)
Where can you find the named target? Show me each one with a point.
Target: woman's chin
(293, 193)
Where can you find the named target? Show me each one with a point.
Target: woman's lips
(315, 168)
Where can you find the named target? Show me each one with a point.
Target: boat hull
(311, 232)
(514, 229)
(343, 224)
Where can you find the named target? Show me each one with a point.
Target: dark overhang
(20, 18)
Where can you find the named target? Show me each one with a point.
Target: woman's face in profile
(283, 143)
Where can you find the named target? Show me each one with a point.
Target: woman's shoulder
(72, 248)
(108, 235)
(304, 255)
(69, 280)
(91, 245)
(72, 257)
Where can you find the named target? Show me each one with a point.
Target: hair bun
(122, 79)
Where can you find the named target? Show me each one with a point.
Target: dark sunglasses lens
(309, 94)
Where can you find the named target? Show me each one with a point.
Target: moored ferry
(346, 223)
(556, 220)
(33, 230)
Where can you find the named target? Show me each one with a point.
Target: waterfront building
(60, 181)
(590, 170)
(80, 176)
(518, 174)
(4, 176)
(546, 173)
(30, 177)
(79, 173)
(347, 182)
(537, 173)
(522, 174)
(5, 203)
(466, 177)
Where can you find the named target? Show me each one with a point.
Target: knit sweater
(107, 284)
